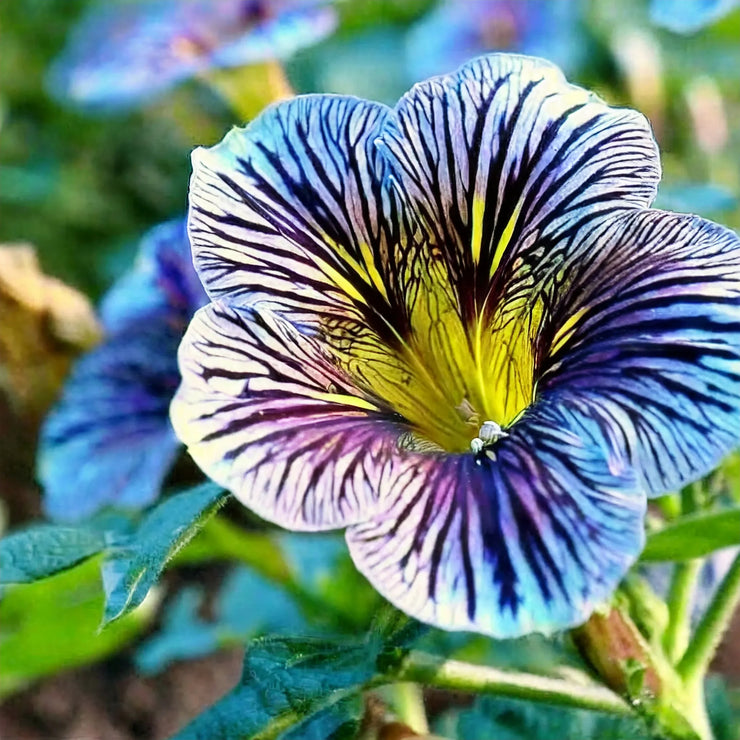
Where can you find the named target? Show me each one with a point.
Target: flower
(456, 31)
(109, 440)
(456, 329)
(689, 16)
(120, 57)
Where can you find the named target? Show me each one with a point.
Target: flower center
(458, 387)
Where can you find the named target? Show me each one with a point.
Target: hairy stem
(695, 661)
(452, 674)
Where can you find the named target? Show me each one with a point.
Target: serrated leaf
(44, 550)
(340, 721)
(505, 719)
(286, 681)
(693, 536)
(52, 624)
(130, 570)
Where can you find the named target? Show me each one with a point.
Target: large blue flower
(109, 440)
(130, 53)
(456, 329)
(456, 31)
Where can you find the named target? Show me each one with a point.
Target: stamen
(489, 433)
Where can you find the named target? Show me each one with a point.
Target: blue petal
(504, 161)
(290, 210)
(163, 280)
(121, 56)
(645, 338)
(529, 535)
(689, 16)
(457, 31)
(109, 440)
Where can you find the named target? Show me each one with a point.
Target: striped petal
(290, 211)
(504, 159)
(265, 413)
(530, 536)
(109, 442)
(647, 340)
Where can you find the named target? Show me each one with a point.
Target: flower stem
(408, 702)
(248, 90)
(696, 659)
(452, 674)
(680, 596)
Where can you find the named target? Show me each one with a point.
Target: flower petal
(266, 414)
(288, 210)
(452, 33)
(689, 16)
(162, 279)
(531, 538)
(109, 440)
(124, 55)
(647, 340)
(504, 159)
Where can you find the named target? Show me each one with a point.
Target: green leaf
(340, 721)
(131, 569)
(286, 681)
(694, 536)
(45, 549)
(505, 719)
(52, 624)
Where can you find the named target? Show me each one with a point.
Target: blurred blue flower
(109, 441)
(122, 55)
(689, 16)
(456, 31)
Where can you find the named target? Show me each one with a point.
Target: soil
(110, 702)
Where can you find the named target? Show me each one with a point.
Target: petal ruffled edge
(646, 340)
(529, 535)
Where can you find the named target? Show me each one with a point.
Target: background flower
(455, 328)
(454, 32)
(126, 54)
(109, 441)
(689, 16)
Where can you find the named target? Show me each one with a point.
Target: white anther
(490, 431)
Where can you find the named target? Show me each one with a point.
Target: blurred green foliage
(83, 188)
(52, 624)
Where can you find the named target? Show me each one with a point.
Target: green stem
(452, 674)
(695, 661)
(408, 702)
(680, 597)
(248, 90)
